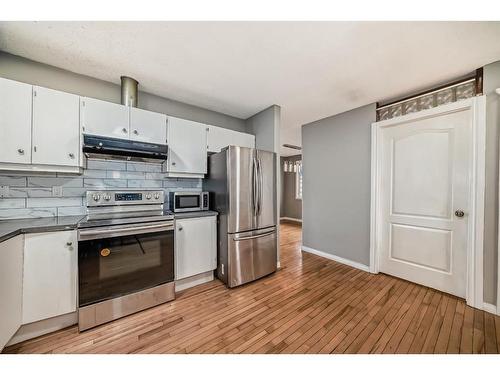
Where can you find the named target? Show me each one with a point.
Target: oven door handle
(117, 231)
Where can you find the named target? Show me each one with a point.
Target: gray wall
(266, 127)
(290, 206)
(336, 184)
(491, 77)
(32, 72)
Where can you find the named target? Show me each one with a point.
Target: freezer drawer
(251, 255)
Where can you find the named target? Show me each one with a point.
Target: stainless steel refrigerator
(242, 186)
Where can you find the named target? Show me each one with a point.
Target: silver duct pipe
(129, 91)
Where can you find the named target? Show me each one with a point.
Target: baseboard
(36, 329)
(291, 219)
(189, 282)
(489, 307)
(359, 266)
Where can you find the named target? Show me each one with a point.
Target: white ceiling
(311, 69)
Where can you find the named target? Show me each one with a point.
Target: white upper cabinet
(195, 246)
(218, 138)
(56, 128)
(146, 126)
(50, 275)
(15, 122)
(11, 287)
(187, 147)
(104, 118)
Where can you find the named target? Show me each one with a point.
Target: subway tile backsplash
(38, 195)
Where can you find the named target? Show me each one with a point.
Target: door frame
(477, 105)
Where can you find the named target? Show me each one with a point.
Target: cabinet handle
(34, 148)
(69, 243)
(20, 151)
(124, 130)
(136, 132)
(71, 155)
(173, 163)
(180, 228)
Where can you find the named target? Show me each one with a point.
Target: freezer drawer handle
(256, 236)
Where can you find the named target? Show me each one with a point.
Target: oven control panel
(118, 198)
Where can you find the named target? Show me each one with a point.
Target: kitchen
(146, 225)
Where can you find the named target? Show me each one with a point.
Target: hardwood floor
(311, 305)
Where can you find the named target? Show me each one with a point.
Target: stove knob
(157, 195)
(96, 197)
(148, 196)
(107, 197)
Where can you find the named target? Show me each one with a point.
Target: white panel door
(146, 126)
(56, 127)
(104, 118)
(219, 138)
(425, 170)
(195, 246)
(15, 122)
(187, 146)
(11, 288)
(50, 275)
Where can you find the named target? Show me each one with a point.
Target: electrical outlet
(57, 191)
(4, 191)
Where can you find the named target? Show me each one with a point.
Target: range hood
(123, 149)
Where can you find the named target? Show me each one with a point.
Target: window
(298, 181)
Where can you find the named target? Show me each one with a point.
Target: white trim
(192, 281)
(42, 327)
(291, 219)
(477, 105)
(348, 262)
(491, 308)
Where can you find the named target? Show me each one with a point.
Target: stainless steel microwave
(185, 201)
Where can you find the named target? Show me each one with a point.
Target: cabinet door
(15, 122)
(245, 140)
(104, 118)
(50, 275)
(218, 138)
(146, 126)
(56, 127)
(195, 246)
(11, 288)
(187, 146)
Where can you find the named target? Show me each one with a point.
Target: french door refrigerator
(242, 186)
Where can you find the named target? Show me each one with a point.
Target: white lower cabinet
(195, 246)
(11, 287)
(50, 275)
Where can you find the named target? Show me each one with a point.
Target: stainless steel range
(125, 255)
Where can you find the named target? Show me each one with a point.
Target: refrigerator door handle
(259, 188)
(254, 187)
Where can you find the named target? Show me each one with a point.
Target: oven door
(117, 260)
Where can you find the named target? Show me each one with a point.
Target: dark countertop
(187, 215)
(11, 228)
